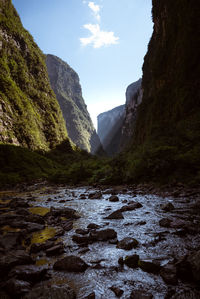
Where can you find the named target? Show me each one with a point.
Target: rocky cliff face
(109, 129)
(133, 100)
(29, 112)
(167, 136)
(65, 83)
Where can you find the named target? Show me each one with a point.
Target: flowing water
(156, 243)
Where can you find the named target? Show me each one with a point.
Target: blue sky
(104, 41)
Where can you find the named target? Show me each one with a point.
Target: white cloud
(98, 38)
(95, 9)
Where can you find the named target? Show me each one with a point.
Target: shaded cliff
(133, 100)
(110, 128)
(166, 142)
(65, 83)
(29, 112)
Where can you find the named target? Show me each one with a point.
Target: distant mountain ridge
(115, 127)
(133, 100)
(65, 83)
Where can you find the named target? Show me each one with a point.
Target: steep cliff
(109, 129)
(65, 83)
(29, 112)
(166, 142)
(133, 100)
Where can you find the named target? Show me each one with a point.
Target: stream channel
(156, 243)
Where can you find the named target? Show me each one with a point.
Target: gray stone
(71, 263)
(127, 243)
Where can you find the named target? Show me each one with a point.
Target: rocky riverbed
(84, 242)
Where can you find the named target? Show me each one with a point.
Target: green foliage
(31, 112)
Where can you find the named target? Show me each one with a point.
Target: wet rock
(131, 207)
(67, 226)
(84, 250)
(90, 296)
(186, 294)
(127, 243)
(137, 294)
(18, 203)
(104, 235)
(65, 212)
(149, 267)
(82, 196)
(178, 223)
(121, 261)
(132, 260)
(118, 292)
(165, 222)
(93, 226)
(140, 223)
(167, 207)
(184, 270)
(32, 227)
(194, 262)
(35, 218)
(23, 211)
(10, 241)
(113, 241)
(115, 215)
(70, 263)
(16, 288)
(59, 231)
(29, 273)
(95, 195)
(37, 247)
(81, 231)
(113, 198)
(169, 274)
(62, 201)
(14, 258)
(81, 239)
(55, 250)
(52, 291)
(4, 295)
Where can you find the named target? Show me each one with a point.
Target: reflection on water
(141, 224)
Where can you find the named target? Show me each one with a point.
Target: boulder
(29, 273)
(127, 243)
(115, 215)
(149, 267)
(131, 260)
(137, 294)
(81, 231)
(113, 198)
(14, 258)
(90, 296)
(95, 195)
(194, 261)
(169, 274)
(70, 263)
(65, 212)
(67, 226)
(118, 292)
(81, 239)
(52, 291)
(131, 207)
(17, 288)
(93, 226)
(55, 250)
(103, 235)
(36, 247)
(167, 207)
(165, 222)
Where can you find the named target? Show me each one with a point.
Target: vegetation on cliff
(166, 144)
(29, 113)
(65, 83)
